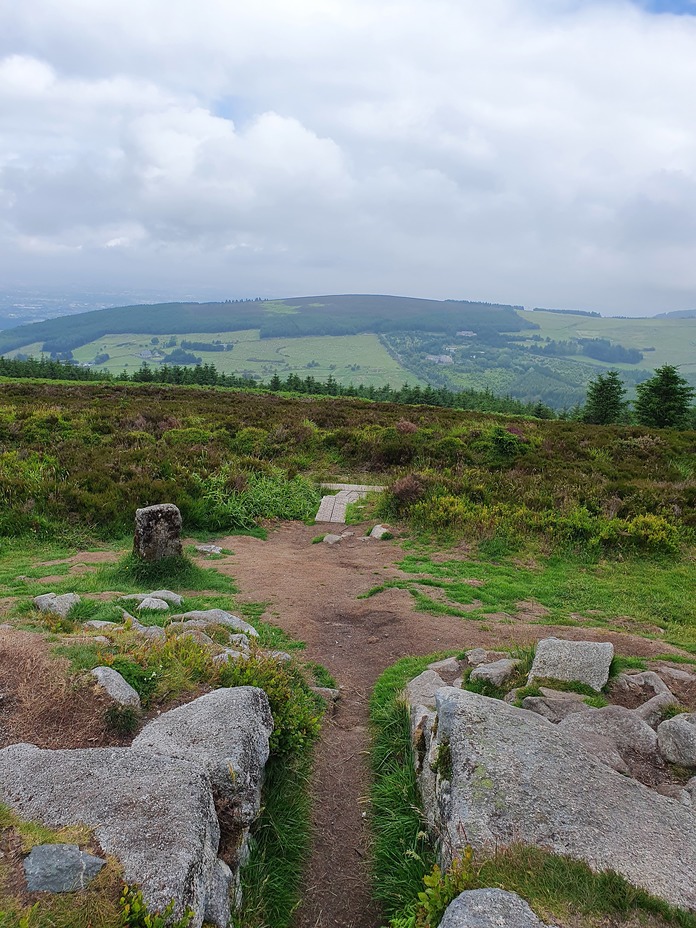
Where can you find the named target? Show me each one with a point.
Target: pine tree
(605, 403)
(664, 401)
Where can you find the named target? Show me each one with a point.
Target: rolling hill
(540, 356)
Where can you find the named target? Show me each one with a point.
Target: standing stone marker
(157, 532)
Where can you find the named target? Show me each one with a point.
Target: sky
(535, 152)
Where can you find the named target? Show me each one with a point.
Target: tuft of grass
(123, 720)
(620, 664)
(172, 572)
(272, 877)
(402, 853)
(321, 676)
(318, 539)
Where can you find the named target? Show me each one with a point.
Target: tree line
(663, 401)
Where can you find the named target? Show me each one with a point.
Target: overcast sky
(526, 151)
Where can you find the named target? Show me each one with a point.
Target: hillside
(536, 357)
(501, 532)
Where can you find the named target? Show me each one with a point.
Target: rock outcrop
(492, 775)
(154, 813)
(226, 732)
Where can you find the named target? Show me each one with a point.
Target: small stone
(99, 624)
(239, 641)
(653, 711)
(555, 710)
(573, 661)
(478, 656)
(327, 693)
(209, 549)
(380, 531)
(219, 617)
(641, 686)
(448, 669)
(332, 539)
(156, 605)
(282, 656)
(230, 654)
(496, 673)
(59, 605)
(116, 687)
(60, 868)
(157, 532)
(676, 673)
(677, 739)
(172, 598)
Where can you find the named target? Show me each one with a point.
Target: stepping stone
(333, 508)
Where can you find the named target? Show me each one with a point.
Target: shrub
(406, 491)
(296, 711)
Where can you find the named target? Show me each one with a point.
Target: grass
(99, 904)
(272, 878)
(404, 872)
(643, 596)
(402, 853)
(254, 356)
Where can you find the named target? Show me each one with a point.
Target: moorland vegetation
(84, 456)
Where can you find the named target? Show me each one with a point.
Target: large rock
(677, 740)
(489, 908)
(157, 532)
(57, 604)
(116, 687)
(60, 868)
(497, 673)
(492, 775)
(225, 731)
(624, 729)
(154, 813)
(573, 661)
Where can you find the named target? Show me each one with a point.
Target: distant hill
(347, 314)
(677, 314)
(545, 356)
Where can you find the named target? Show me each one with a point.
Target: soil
(312, 592)
(40, 702)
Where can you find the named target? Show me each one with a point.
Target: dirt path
(312, 591)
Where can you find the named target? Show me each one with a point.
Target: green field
(349, 358)
(674, 340)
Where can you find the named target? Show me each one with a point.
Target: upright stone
(157, 532)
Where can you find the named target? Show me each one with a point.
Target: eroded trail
(312, 592)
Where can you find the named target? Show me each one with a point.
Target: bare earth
(312, 592)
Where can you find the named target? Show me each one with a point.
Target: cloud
(540, 153)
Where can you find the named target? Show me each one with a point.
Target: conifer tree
(664, 401)
(605, 403)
